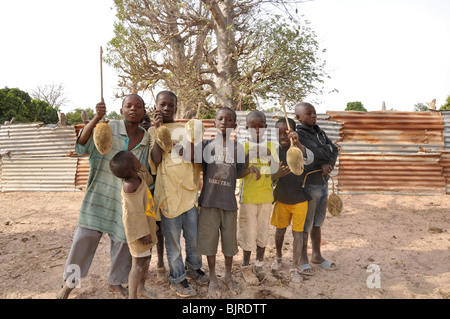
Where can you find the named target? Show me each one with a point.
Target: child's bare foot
(119, 290)
(161, 274)
(232, 286)
(146, 293)
(296, 278)
(249, 276)
(263, 276)
(213, 289)
(276, 269)
(276, 266)
(64, 292)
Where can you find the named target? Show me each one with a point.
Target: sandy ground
(407, 237)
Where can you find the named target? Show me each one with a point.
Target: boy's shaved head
(121, 165)
(255, 114)
(300, 107)
(169, 93)
(283, 120)
(227, 109)
(133, 95)
(306, 114)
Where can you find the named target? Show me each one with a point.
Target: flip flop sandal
(303, 270)
(328, 265)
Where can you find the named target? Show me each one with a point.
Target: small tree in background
(74, 117)
(15, 103)
(446, 106)
(420, 107)
(355, 106)
(53, 94)
(113, 115)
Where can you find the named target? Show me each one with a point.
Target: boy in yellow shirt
(256, 199)
(176, 195)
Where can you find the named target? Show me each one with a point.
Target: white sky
(397, 51)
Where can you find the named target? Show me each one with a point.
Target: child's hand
(157, 118)
(293, 135)
(255, 172)
(146, 240)
(100, 109)
(283, 170)
(326, 169)
(177, 148)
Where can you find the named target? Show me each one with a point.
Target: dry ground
(406, 236)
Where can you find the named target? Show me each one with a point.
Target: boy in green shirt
(101, 210)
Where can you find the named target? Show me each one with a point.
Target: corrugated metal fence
(445, 157)
(391, 152)
(385, 151)
(36, 157)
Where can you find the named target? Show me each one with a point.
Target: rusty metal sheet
(391, 173)
(446, 118)
(390, 132)
(82, 174)
(330, 127)
(444, 161)
(210, 131)
(390, 152)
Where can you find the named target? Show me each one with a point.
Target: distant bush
(355, 106)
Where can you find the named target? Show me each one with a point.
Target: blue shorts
(317, 206)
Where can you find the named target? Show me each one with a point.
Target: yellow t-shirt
(259, 191)
(176, 186)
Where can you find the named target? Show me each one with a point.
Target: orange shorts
(283, 214)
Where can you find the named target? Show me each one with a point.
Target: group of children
(143, 194)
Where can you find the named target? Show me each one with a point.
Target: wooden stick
(101, 73)
(304, 180)
(287, 121)
(101, 79)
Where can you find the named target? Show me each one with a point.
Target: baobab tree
(216, 53)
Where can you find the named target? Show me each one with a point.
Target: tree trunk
(226, 63)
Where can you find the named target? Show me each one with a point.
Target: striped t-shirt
(102, 206)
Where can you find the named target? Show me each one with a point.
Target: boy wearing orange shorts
(291, 201)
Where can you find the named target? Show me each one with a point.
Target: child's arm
(146, 240)
(248, 169)
(283, 170)
(296, 141)
(87, 130)
(252, 169)
(323, 154)
(334, 152)
(188, 155)
(157, 152)
(326, 169)
(131, 185)
(191, 156)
